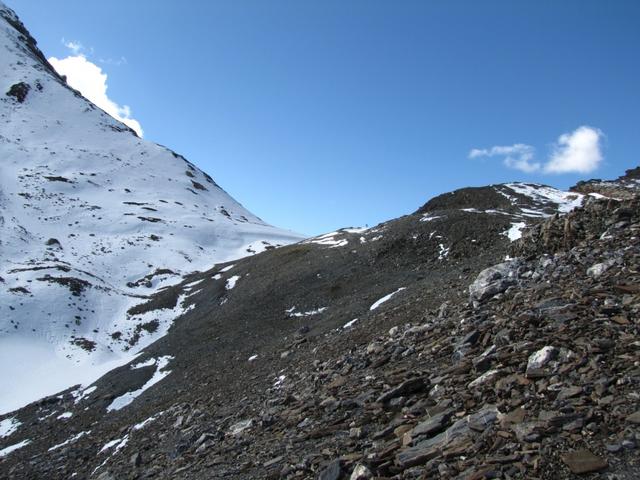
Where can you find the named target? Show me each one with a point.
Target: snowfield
(93, 220)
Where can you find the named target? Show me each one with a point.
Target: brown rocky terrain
(477, 367)
(493, 333)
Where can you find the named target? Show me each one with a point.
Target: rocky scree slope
(93, 220)
(408, 350)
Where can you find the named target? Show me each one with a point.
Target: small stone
(493, 280)
(583, 461)
(540, 358)
(136, 459)
(401, 430)
(337, 382)
(569, 392)
(203, 438)
(574, 426)
(240, 427)
(328, 402)
(487, 377)
(331, 471)
(629, 444)
(614, 448)
(431, 426)
(516, 416)
(620, 320)
(105, 476)
(634, 418)
(203, 447)
(413, 385)
(361, 472)
(471, 338)
(273, 461)
(598, 269)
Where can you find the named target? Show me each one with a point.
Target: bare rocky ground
(479, 368)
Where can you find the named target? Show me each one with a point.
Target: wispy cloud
(111, 61)
(575, 152)
(75, 47)
(518, 156)
(88, 78)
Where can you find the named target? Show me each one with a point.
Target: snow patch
(443, 252)
(80, 393)
(350, 323)
(328, 239)
(124, 400)
(292, 312)
(8, 426)
(118, 443)
(141, 425)
(147, 363)
(430, 218)
(385, 298)
(515, 231)
(564, 201)
(231, 282)
(6, 451)
(70, 440)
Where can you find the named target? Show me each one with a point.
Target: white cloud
(518, 156)
(575, 152)
(578, 151)
(91, 81)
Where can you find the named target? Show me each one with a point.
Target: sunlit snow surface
(6, 451)
(70, 440)
(88, 213)
(563, 201)
(385, 298)
(8, 426)
(515, 231)
(231, 282)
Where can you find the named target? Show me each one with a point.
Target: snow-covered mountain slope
(93, 219)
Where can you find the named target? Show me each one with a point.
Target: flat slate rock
(583, 461)
(634, 417)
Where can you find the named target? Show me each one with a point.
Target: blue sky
(327, 114)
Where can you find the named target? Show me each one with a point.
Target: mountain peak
(93, 219)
